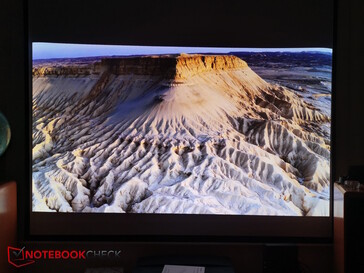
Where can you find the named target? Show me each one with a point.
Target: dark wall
(349, 111)
(12, 88)
(261, 23)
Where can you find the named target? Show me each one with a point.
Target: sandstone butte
(174, 67)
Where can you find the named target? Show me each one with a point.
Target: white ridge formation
(175, 134)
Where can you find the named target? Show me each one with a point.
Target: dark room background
(201, 23)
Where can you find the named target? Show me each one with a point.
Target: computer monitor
(216, 131)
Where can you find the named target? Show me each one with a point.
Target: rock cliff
(173, 67)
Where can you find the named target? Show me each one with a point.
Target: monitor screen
(181, 130)
(170, 122)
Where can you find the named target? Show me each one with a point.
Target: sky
(61, 50)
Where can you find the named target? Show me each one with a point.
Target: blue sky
(60, 50)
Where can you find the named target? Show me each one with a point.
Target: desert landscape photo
(234, 131)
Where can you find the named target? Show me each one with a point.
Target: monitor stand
(157, 263)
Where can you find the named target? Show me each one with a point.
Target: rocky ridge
(176, 67)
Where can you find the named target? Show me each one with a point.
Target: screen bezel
(160, 227)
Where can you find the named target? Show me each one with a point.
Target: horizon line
(43, 51)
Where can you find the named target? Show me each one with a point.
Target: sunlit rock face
(175, 134)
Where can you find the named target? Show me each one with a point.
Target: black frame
(179, 233)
